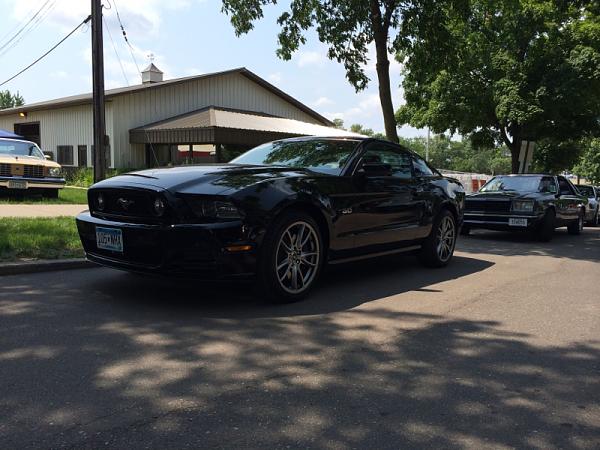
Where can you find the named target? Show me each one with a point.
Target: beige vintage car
(25, 168)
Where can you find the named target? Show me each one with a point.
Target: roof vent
(152, 74)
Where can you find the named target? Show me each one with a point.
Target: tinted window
(328, 156)
(519, 184)
(19, 148)
(421, 168)
(588, 191)
(565, 186)
(398, 160)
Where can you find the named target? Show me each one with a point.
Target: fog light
(159, 207)
(100, 202)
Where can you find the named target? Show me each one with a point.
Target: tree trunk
(515, 150)
(380, 33)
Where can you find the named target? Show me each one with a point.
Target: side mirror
(48, 156)
(376, 170)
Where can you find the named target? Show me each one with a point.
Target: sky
(185, 37)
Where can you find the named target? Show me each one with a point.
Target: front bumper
(34, 183)
(188, 250)
(501, 222)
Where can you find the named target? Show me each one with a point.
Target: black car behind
(531, 202)
(277, 213)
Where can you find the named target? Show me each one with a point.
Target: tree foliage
(348, 27)
(503, 70)
(9, 100)
(588, 166)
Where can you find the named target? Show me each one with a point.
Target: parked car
(277, 213)
(536, 203)
(24, 168)
(593, 210)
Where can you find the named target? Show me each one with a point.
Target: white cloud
(322, 101)
(141, 18)
(61, 74)
(275, 77)
(306, 58)
(371, 66)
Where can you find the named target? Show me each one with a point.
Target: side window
(421, 168)
(398, 160)
(547, 185)
(565, 187)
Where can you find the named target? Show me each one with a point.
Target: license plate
(109, 239)
(17, 184)
(517, 222)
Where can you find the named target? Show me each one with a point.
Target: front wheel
(546, 230)
(576, 227)
(291, 258)
(596, 218)
(438, 248)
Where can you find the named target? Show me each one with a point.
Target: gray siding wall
(73, 125)
(65, 126)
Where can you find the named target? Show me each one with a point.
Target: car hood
(508, 195)
(209, 179)
(26, 161)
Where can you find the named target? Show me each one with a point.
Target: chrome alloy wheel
(446, 238)
(297, 258)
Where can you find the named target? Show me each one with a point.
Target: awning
(223, 126)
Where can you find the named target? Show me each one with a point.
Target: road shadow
(585, 247)
(341, 288)
(79, 372)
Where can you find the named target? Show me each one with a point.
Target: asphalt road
(499, 350)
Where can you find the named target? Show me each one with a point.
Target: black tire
(465, 230)
(280, 248)
(546, 230)
(576, 227)
(50, 193)
(432, 255)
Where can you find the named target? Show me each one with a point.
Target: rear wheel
(546, 230)
(438, 248)
(291, 258)
(576, 227)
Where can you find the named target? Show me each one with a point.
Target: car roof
(17, 140)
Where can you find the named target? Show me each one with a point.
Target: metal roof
(212, 124)
(84, 99)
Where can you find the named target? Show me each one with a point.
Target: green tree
(9, 100)
(348, 27)
(588, 166)
(338, 123)
(502, 71)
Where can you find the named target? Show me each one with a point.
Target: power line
(31, 24)
(115, 49)
(21, 23)
(125, 37)
(48, 52)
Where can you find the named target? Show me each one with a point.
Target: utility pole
(98, 93)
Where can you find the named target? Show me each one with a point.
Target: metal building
(202, 118)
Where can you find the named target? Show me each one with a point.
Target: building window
(82, 155)
(65, 155)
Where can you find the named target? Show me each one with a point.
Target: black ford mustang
(530, 202)
(278, 212)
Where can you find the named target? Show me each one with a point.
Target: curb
(45, 266)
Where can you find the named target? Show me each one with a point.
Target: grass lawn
(39, 238)
(66, 196)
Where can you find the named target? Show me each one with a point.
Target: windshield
(327, 156)
(19, 148)
(520, 184)
(588, 191)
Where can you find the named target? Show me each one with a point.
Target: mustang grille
(33, 171)
(5, 170)
(130, 204)
(488, 206)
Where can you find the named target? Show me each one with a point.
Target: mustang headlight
(215, 209)
(159, 206)
(522, 205)
(100, 203)
(55, 172)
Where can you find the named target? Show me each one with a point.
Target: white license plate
(517, 222)
(109, 239)
(17, 184)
